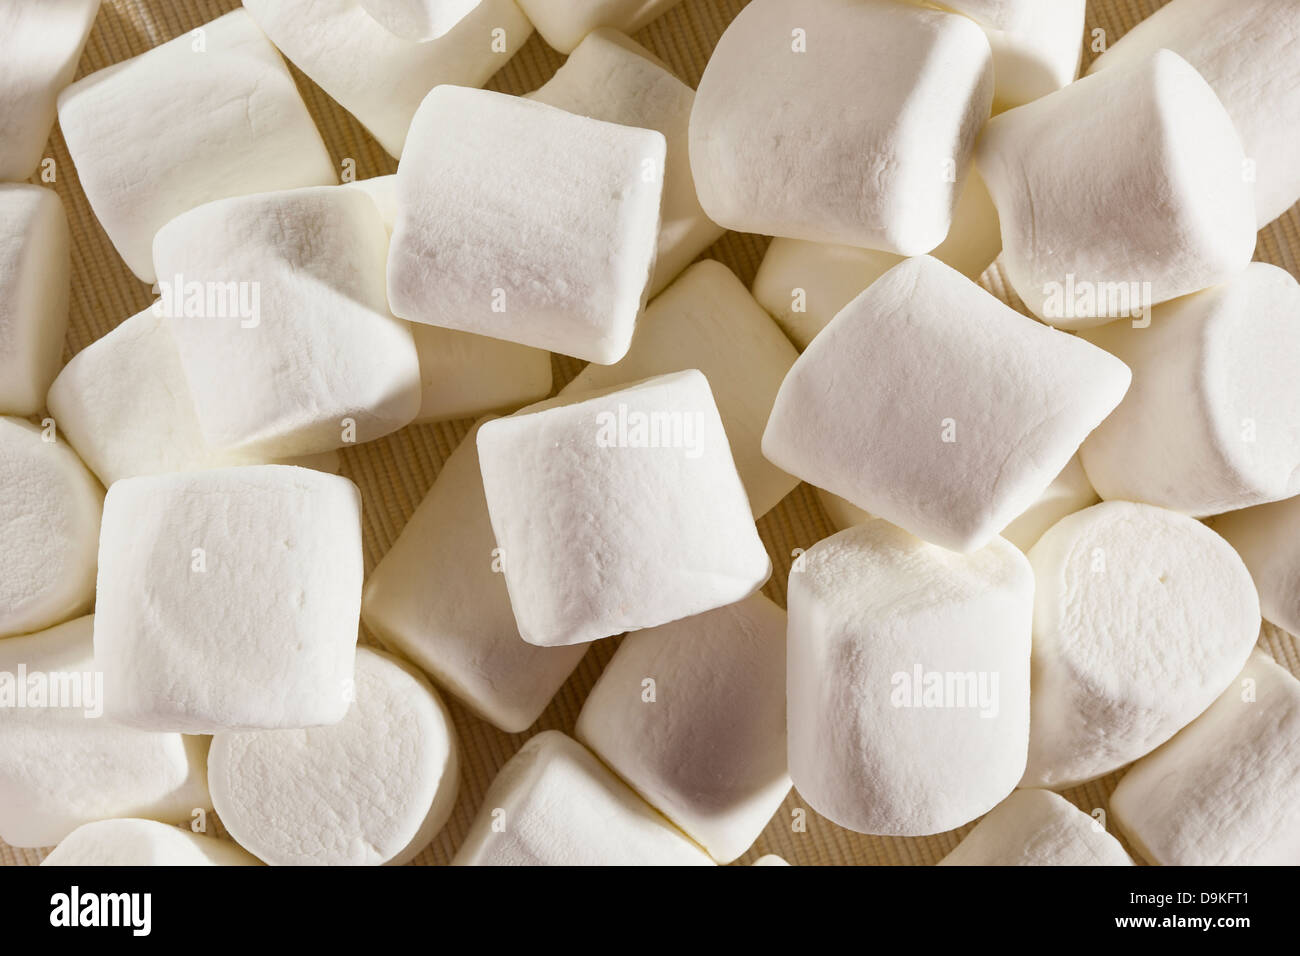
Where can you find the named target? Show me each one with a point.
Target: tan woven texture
(395, 472)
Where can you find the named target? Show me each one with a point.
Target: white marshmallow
(551, 244)
(563, 25)
(610, 78)
(34, 263)
(1141, 617)
(372, 790)
(1248, 57)
(143, 843)
(554, 804)
(1268, 539)
(1212, 422)
(843, 122)
(181, 125)
(1037, 828)
(378, 77)
(707, 749)
(50, 508)
(64, 766)
(419, 20)
(770, 859)
(40, 44)
(229, 599)
(998, 14)
(1038, 53)
(619, 511)
(318, 349)
(439, 597)
(908, 679)
(1089, 230)
(707, 321)
(1224, 791)
(932, 404)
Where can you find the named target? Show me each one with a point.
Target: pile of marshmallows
(982, 632)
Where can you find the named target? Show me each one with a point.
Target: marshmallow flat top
(373, 789)
(525, 222)
(1268, 539)
(34, 265)
(707, 321)
(1212, 422)
(1038, 56)
(1141, 618)
(40, 44)
(620, 511)
(49, 529)
(179, 126)
(1249, 60)
(704, 744)
(229, 599)
(143, 843)
(554, 804)
(908, 89)
(1074, 252)
(907, 680)
(564, 25)
(67, 765)
(461, 630)
(1037, 828)
(419, 20)
(932, 404)
(610, 78)
(1224, 791)
(377, 76)
(311, 346)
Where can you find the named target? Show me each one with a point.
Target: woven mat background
(395, 472)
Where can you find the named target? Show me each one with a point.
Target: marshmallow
(1268, 539)
(419, 20)
(1037, 53)
(1224, 791)
(1069, 492)
(50, 508)
(34, 264)
(908, 679)
(554, 804)
(378, 77)
(998, 14)
(1091, 232)
(63, 763)
(610, 78)
(40, 44)
(143, 843)
(707, 321)
(843, 122)
(1141, 618)
(805, 284)
(692, 716)
(563, 25)
(1212, 422)
(298, 353)
(1249, 59)
(551, 244)
(771, 859)
(932, 404)
(229, 599)
(372, 790)
(461, 630)
(1037, 828)
(619, 511)
(210, 114)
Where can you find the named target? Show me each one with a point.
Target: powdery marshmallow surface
(930, 403)
(229, 599)
(619, 511)
(1224, 791)
(1268, 539)
(704, 743)
(525, 222)
(179, 126)
(49, 529)
(373, 789)
(1141, 618)
(1038, 52)
(844, 121)
(143, 843)
(1037, 828)
(419, 20)
(564, 25)
(908, 679)
(64, 766)
(554, 804)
